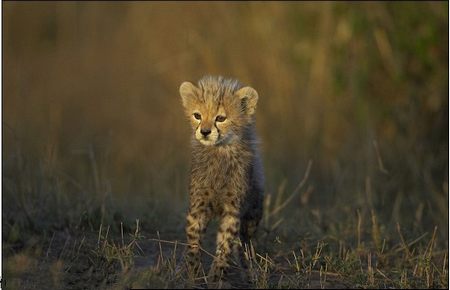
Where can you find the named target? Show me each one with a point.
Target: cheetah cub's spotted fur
(226, 173)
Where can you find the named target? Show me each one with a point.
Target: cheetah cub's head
(219, 109)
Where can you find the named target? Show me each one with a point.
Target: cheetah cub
(226, 179)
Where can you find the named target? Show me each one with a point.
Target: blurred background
(93, 126)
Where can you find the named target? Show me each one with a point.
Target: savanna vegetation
(352, 117)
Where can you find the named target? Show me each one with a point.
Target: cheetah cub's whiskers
(226, 179)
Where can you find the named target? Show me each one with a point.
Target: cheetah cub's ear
(188, 92)
(249, 98)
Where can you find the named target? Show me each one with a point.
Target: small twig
(413, 242)
(384, 275)
(358, 229)
(174, 252)
(105, 241)
(50, 245)
(295, 192)
(99, 235)
(180, 243)
(405, 246)
(429, 250)
(276, 224)
(81, 244)
(160, 248)
(121, 233)
(380, 161)
(64, 247)
(265, 259)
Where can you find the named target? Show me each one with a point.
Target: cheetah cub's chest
(220, 169)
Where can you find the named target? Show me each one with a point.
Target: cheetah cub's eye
(197, 116)
(220, 118)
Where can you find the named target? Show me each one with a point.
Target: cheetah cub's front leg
(228, 241)
(197, 220)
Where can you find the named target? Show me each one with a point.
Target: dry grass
(356, 252)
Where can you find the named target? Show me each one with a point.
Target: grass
(73, 244)
(323, 264)
(297, 246)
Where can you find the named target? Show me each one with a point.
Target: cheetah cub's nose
(205, 132)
